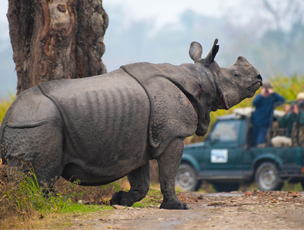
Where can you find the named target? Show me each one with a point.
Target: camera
(266, 90)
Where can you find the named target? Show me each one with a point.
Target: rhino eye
(237, 75)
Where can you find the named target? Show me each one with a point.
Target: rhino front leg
(168, 164)
(139, 180)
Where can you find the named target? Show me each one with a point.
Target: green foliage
(22, 197)
(116, 186)
(154, 197)
(292, 187)
(288, 86)
(4, 105)
(28, 196)
(81, 208)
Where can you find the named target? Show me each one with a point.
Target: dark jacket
(264, 109)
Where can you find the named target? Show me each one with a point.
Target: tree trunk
(56, 39)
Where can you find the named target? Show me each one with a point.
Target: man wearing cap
(263, 103)
(292, 115)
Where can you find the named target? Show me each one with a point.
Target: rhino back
(106, 118)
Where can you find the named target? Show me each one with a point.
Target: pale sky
(3, 10)
(166, 11)
(163, 11)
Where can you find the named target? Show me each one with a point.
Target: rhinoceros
(102, 128)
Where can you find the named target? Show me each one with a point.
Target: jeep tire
(267, 177)
(186, 178)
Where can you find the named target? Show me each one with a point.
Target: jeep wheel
(186, 178)
(267, 177)
(226, 187)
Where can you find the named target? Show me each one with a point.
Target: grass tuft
(154, 198)
(22, 198)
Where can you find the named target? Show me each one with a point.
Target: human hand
(287, 108)
(265, 92)
(295, 109)
(270, 91)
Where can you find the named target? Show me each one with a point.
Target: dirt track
(251, 210)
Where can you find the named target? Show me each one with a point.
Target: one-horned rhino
(102, 128)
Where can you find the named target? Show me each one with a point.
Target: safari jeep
(227, 159)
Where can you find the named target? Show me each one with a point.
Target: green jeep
(227, 159)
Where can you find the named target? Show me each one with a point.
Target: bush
(21, 197)
(4, 105)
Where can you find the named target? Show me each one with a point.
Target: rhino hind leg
(139, 180)
(36, 148)
(168, 163)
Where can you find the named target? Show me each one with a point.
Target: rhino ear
(241, 59)
(195, 51)
(211, 55)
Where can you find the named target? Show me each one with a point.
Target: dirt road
(236, 210)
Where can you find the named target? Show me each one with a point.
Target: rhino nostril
(259, 77)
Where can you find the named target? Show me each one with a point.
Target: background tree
(56, 39)
(292, 10)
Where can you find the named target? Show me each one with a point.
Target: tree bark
(56, 39)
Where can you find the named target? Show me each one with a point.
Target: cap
(267, 85)
(300, 96)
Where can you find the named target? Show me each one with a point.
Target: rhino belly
(106, 130)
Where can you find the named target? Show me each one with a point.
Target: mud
(250, 210)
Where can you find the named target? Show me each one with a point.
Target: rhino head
(225, 87)
(232, 84)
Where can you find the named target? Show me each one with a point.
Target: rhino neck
(221, 99)
(203, 98)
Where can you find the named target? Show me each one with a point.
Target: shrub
(4, 105)
(21, 197)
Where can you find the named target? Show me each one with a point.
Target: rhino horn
(195, 51)
(211, 55)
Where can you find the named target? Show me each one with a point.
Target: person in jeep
(264, 105)
(293, 113)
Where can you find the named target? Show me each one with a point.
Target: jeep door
(221, 152)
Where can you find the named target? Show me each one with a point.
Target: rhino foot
(120, 198)
(173, 204)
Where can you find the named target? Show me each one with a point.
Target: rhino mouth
(255, 86)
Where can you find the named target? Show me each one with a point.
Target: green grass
(292, 187)
(154, 197)
(28, 196)
(81, 208)
(24, 204)
(60, 220)
(22, 198)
